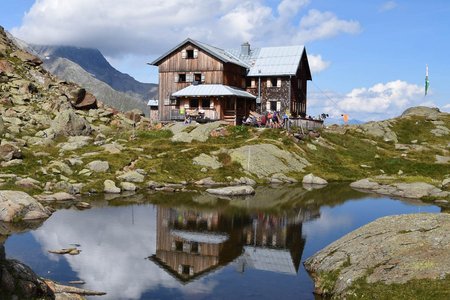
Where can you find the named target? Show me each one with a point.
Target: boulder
(240, 190)
(201, 132)
(208, 161)
(16, 205)
(311, 179)
(68, 123)
(381, 129)
(135, 115)
(61, 196)
(28, 183)
(128, 186)
(131, 176)
(263, 160)
(390, 250)
(98, 166)
(9, 152)
(415, 190)
(431, 113)
(110, 187)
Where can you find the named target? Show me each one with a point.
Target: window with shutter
(181, 78)
(273, 82)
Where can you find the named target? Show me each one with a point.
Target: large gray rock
(110, 187)
(415, 190)
(232, 190)
(200, 133)
(394, 249)
(311, 179)
(69, 123)
(263, 160)
(206, 160)
(98, 166)
(431, 113)
(16, 205)
(132, 176)
(74, 143)
(380, 129)
(9, 152)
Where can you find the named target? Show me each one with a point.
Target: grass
(414, 289)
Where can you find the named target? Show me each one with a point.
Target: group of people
(270, 119)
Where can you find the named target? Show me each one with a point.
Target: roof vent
(245, 49)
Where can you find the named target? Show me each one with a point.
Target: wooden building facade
(226, 84)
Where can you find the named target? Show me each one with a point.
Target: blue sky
(368, 57)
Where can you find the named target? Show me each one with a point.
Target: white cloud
(389, 5)
(317, 64)
(446, 108)
(381, 101)
(151, 27)
(318, 25)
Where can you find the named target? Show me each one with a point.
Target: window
(181, 77)
(273, 82)
(185, 269)
(206, 103)
(189, 53)
(197, 78)
(178, 246)
(273, 105)
(194, 247)
(193, 103)
(248, 82)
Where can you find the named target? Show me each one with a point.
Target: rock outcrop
(263, 160)
(414, 190)
(232, 190)
(16, 206)
(392, 249)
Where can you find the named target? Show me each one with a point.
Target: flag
(427, 82)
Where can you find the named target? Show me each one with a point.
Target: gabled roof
(218, 53)
(266, 61)
(206, 90)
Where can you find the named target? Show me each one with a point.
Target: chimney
(245, 49)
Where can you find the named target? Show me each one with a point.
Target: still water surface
(194, 246)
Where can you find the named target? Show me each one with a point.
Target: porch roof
(207, 90)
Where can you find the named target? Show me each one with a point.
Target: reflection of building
(191, 243)
(272, 243)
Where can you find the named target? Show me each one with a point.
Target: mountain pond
(197, 246)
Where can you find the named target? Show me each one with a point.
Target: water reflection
(199, 246)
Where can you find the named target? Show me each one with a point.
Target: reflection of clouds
(113, 250)
(326, 223)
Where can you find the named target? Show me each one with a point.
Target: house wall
(213, 71)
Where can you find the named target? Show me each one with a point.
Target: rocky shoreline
(390, 250)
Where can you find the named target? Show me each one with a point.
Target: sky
(368, 58)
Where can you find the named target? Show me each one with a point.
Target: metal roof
(273, 260)
(152, 102)
(220, 54)
(200, 237)
(206, 90)
(277, 61)
(267, 61)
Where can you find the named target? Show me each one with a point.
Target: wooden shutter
(279, 82)
(267, 105)
(278, 105)
(188, 77)
(195, 53)
(269, 83)
(203, 77)
(183, 54)
(175, 78)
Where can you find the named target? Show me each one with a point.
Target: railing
(208, 114)
(306, 124)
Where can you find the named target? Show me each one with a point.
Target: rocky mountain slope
(95, 63)
(88, 68)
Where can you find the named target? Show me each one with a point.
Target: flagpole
(427, 82)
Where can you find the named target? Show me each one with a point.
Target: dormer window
(189, 53)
